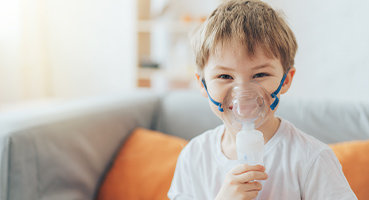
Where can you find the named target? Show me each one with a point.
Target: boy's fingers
(240, 169)
(251, 176)
(252, 186)
(252, 195)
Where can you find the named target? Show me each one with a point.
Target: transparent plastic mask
(246, 106)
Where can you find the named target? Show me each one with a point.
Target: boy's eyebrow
(266, 65)
(223, 67)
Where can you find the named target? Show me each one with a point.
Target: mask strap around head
(211, 99)
(274, 94)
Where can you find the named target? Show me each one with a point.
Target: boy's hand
(240, 183)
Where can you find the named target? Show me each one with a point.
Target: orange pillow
(354, 159)
(143, 168)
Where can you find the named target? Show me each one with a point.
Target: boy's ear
(288, 80)
(202, 87)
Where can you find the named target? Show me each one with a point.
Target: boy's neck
(270, 128)
(228, 141)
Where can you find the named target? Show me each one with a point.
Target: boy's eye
(260, 75)
(225, 76)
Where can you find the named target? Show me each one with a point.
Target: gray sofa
(63, 152)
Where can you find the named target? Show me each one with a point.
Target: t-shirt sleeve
(325, 179)
(181, 187)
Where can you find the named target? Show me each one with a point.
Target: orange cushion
(143, 168)
(354, 159)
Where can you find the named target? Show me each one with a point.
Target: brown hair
(252, 23)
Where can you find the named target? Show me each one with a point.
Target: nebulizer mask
(245, 108)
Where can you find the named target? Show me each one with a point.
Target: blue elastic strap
(211, 99)
(274, 94)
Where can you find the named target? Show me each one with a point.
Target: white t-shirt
(298, 167)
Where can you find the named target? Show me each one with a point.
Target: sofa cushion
(185, 114)
(330, 121)
(355, 161)
(62, 152)
(143, 168)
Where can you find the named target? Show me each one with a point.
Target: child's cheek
(215, 110)
(217, 90)
(270, 85)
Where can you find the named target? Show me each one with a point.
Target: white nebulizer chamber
(246, 108)
(250, 146)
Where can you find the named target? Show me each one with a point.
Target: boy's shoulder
(204, 142)
(298, 136)
(296, 140)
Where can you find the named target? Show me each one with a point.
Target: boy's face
(232, 65)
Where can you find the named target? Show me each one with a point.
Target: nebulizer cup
(246, 107)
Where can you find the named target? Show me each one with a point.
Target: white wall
(66, 48)
(9, 49)
(93, 46)
(332, 59)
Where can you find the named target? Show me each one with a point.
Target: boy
(243, 41)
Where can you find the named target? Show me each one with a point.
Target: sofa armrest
(63, 154)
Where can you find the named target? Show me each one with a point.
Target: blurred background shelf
(163, 41)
